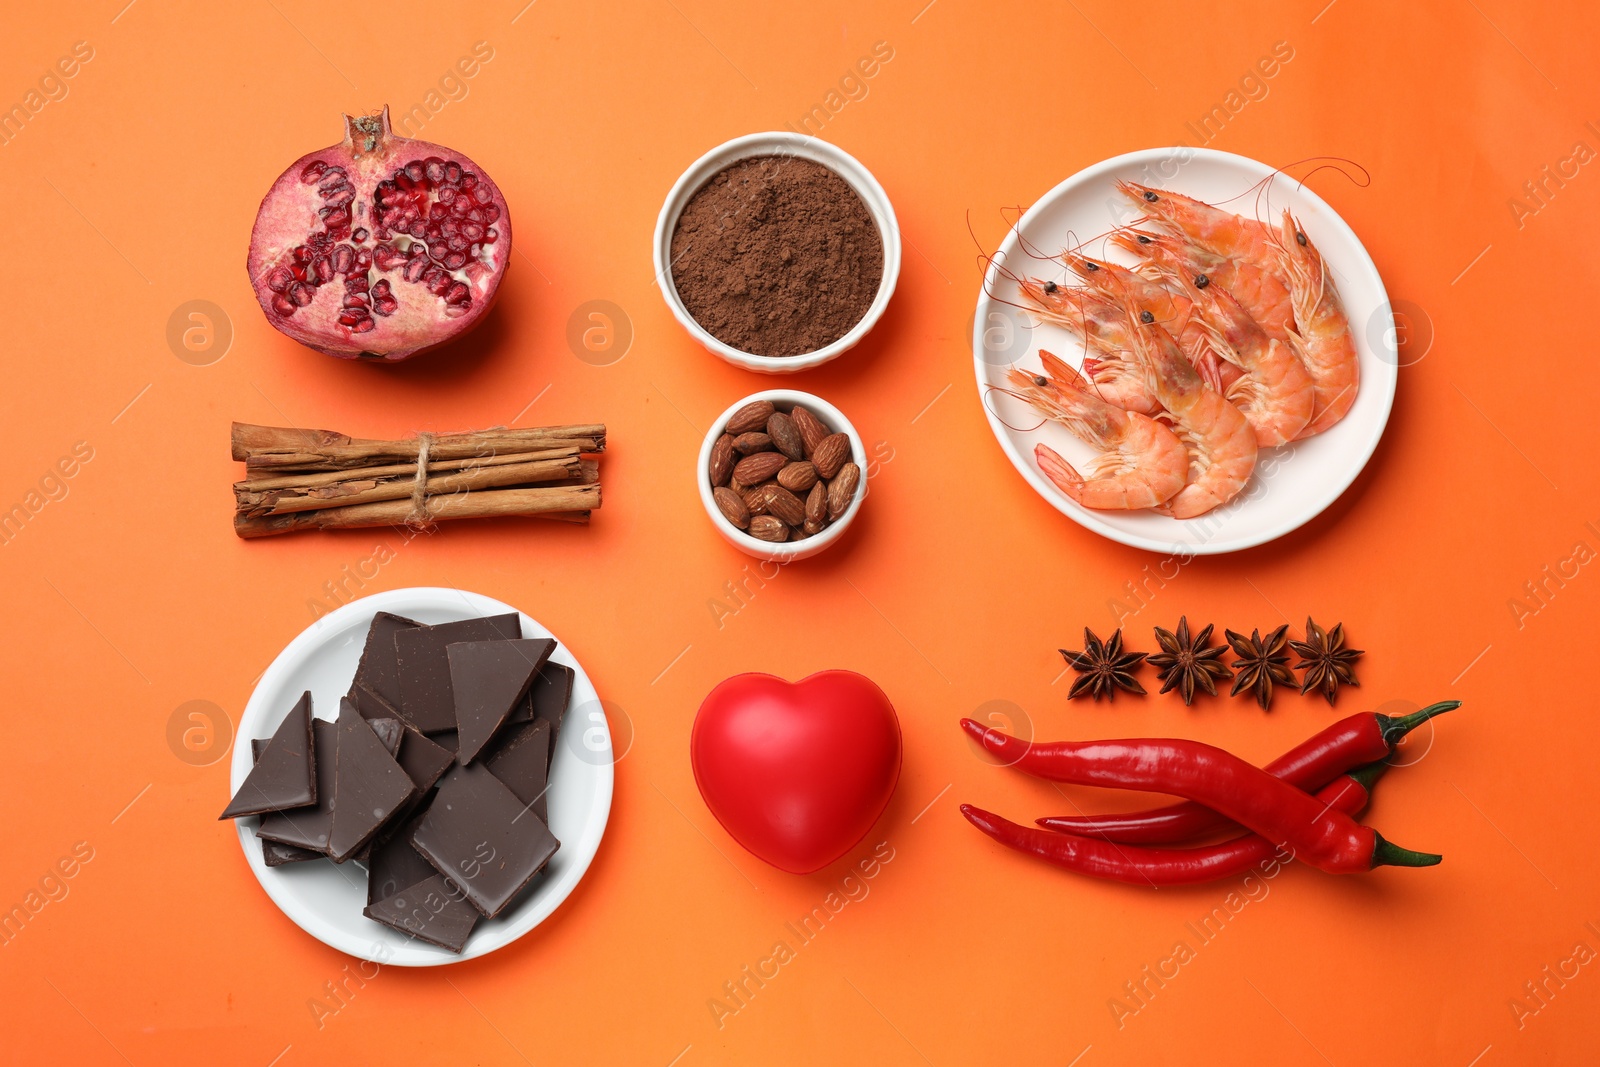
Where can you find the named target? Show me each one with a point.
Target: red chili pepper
(1325, 838)
(1310, 765)
(1163, 866)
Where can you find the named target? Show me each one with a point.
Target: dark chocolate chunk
(488, 679)
(284, 776)
(369, 786)
(378, 670)
(522, 762)
(394, 865)
(277, 855)
(477, 833)
(425, 698)
(547, 699)
(390, 731)
(433, 910)
(424, 759)
(308, 827)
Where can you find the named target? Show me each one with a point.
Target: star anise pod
(1261, 662)
(1103, 668)
(1325, 660)
(1187, 662)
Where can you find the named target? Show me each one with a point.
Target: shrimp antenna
(988, 389)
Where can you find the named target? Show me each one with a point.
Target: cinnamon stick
(362, 487)
(288, 448)
(541, 502)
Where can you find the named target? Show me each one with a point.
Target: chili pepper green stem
(1394, 729)
(1388, 854)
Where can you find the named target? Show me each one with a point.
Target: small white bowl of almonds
(782, 474)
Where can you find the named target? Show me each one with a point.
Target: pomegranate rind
(420, 320)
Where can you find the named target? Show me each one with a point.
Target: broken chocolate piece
(424, 760)
(308, 827)
(378, 670)
(475, 833)
(522, 763)
(277, 855)
(547, 699)
(433, 910)
(426, 699)
(284, 776)
(488, 679)
(394, 865)
(369, 786)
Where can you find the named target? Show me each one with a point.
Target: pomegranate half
(379, 247)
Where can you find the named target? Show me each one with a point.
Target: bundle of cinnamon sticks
(321, 480)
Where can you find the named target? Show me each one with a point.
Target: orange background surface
(129, 596)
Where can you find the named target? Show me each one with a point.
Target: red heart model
(796, 773)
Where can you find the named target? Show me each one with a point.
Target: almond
(842, 490)
(811, 429)
(785, 436)
(757, 468)
(829, 455)
(785, 505)
(721, 460)
(817, 505)
(749, 443)
(755, 499)
(732, 506)
(797, 477)
(767, 528)
(811, 528)
(753, 416)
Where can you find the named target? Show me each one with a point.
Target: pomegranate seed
(417, 228)
(414, 269)
(322, 267)
(475, 215)
(468, 180)
(491, 235)
(360, 235)
(482, 194)
(472, 231)
(280, 279)
(417, 251)
(363, 259)
(447, 193)
(301, 293)
(313, 172)
(452, 172)
(351, 316)
(381, 288)
(356, 300)
(458, 243)
(356, 283)
(364, 325)
(282, 305)
(434, 166)
(436, 280)
(300, 253)
(344, 257)
(455, 260)
(416, 171)
(385, 306)
(457, 293)
(491, 212)
(460, 206)
(438, 211)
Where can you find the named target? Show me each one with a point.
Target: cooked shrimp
(1275, 391)
(1142, 464)
(1262, 292)
(1171, 309)
(1221, 442)
(1103, 327)
(1322, 332)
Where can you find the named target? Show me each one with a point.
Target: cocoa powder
(777, 256)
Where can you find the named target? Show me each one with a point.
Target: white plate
(326, 900)
(1292, 485)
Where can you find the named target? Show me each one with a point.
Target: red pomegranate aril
(403, 196)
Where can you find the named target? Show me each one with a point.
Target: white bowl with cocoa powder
(833, 421)
(779, 144)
